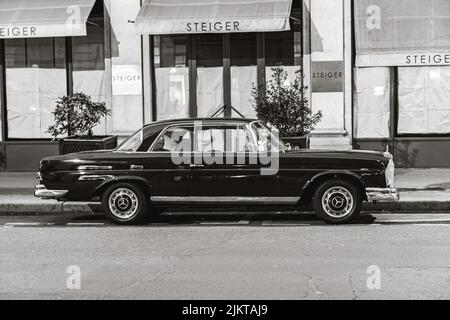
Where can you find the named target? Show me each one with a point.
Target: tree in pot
(76, 115)
(284, 105)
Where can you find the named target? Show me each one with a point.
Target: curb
(36, 208)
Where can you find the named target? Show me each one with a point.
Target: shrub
(77, 115)
(284, 105)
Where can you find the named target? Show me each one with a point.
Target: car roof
(209, 120)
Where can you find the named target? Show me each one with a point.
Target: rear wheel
(125, 203)
(337, 201)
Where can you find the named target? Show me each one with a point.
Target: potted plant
(284, 105)
(76, 116)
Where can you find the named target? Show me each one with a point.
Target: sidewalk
(421, 190)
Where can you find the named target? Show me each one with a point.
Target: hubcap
(337, 202)
(123, 203)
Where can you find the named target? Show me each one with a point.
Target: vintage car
(217, 162)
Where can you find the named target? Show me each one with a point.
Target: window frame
(245, 126)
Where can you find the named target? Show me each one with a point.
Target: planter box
(297, 142)
(75, 144)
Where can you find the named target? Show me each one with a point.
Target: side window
(223, 139)
(175, 139)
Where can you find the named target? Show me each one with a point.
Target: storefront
(155, 60)
(402, 80)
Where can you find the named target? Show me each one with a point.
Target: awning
(402, 33)
(43, 18)
(213, 16)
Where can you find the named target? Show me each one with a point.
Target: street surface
(225, 256)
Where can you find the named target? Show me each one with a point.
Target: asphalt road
(251, 256)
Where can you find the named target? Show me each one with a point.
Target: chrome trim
(382, 195)
(41, 191)
(39, 176)
(136, 167)
(94, 167)
(95, 177)
(214, 199)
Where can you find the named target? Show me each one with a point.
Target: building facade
(149, 61)
(401, 80)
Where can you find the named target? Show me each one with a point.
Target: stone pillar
(126, 67)
(330, 75)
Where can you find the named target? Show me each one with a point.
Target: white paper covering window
(372, 103)
(242, 79)
(32, 94)
(209, 90)
(172, 89)
(424, 96)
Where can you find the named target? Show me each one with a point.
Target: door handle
(136, 167)
(196, 166)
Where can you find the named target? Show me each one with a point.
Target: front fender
(312, 183)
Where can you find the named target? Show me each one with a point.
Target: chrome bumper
(382, 195)
(41, 191)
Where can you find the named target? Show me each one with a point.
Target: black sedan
(217, 162)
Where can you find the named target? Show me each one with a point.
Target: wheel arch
(307, 192)
(141, 182)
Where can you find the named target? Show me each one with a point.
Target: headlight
(390, 173)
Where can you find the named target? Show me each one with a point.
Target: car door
(168, 163)
(226, 166)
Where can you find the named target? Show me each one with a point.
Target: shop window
(171, 52)
(209, 50)
(88, 52)
(35, 78)
(423, 96)
(243, 72)
(372, 103)
(243, 49)
(280, 48)
(209, 74)
(285, 48)
(171, 76)
(35, 53)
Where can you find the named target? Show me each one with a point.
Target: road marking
(216, 223)
(412, 221)
(26, 224)
(85, 224)
(431, 224)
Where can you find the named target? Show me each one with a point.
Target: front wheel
(337, 201)
(125, 203)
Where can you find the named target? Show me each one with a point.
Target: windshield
(267, 139)
(132, 143)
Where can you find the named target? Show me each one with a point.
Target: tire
(125, 204)
(337, 201)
